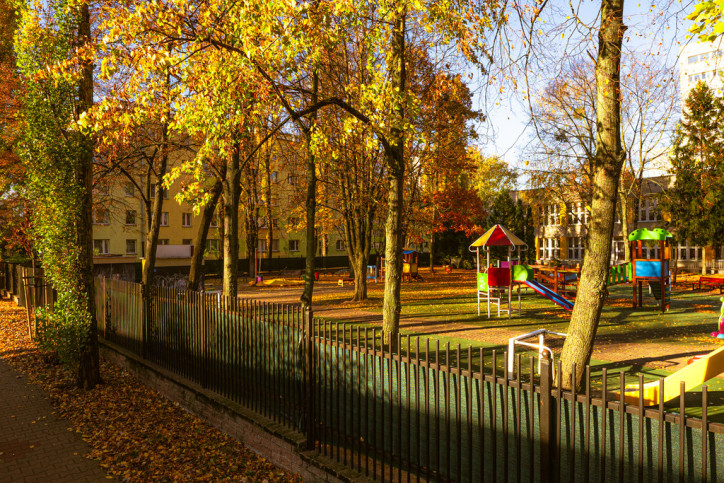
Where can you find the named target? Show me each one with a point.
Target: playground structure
(691, 376)
(544, 352)
(549, 294)
(655, 271)
(409, 266)
(495, 284)
(558, 278)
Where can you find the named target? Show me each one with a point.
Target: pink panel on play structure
(507, 264)
(498, 277)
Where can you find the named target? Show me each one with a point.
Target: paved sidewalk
(35, 446)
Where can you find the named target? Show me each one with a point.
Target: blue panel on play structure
(650, 269)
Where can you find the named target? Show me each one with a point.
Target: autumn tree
(491, 175)
(696, 201)
(15, 208)
(443, 202)
(59, 165)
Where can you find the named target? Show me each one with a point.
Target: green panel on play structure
(657, 234)
(521, 273)
(482, 282)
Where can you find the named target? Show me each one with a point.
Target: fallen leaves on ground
(134, 432)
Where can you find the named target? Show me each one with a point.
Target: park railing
(414, 409)
(246, 351)
(458, 414)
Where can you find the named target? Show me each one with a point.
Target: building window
(130, 247)
(275, 245)
(553, 215)
(647, 209)
(101, 247)
(129, 189)
(163, 241)
(186, 241)
(101, 216)
(186, 219)
(339, 245)
(618, 250)
(293, 180)
(274, 201)
(101, 189)
(293, 222)
(275, 223)
(163, 191)
(293, 245)
(550, 248)
(215, 221)
(212, 246)
(261, 245)
(575, 248)
(164, 218)
(131, 217)
(274, 176)
(578, 214)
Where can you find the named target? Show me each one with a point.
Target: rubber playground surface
(444, 306)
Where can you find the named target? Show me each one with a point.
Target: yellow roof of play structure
(498, 236)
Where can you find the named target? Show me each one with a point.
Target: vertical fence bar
(621, 423)
(661, 432)
(494, 415)
(641, 429)
(506, 415)
(682, 428)
(547, 451)
(531, 425)
(428, 450)
(604, 410)
(470, 381)
(572, 441)
(704, 428)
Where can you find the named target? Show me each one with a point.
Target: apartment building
(701, 62)
(119, 221)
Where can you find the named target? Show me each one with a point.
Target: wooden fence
(413, 410)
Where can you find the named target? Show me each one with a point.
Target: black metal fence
(411, 410)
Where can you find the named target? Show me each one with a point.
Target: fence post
(309, 376)
(204, 343)
(547, 426)
(145, 301)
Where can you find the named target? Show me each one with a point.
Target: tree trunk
(89, 374)
(432, 253)
(156, 212)
(269, 210)
(625, 226)
(252, 239)
(394, 157)
(310, 203)
(207, 214)
(232, 194)
(606, 174)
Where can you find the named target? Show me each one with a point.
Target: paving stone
(35, 446)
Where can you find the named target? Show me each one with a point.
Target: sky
(655, 31)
